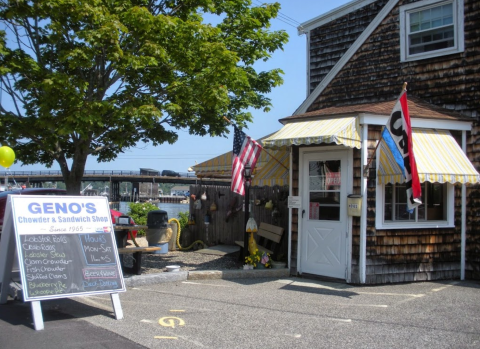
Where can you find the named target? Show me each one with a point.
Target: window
(436, 209)
(324, 190)
(431, 28)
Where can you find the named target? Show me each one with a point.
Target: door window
(324, 190)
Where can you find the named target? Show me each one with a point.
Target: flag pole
(273, 157)
(366, 167)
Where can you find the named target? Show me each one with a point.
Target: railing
(90, 172)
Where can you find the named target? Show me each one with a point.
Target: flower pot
(260, 266)
(278, 265)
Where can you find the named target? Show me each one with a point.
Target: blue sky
(285, 99)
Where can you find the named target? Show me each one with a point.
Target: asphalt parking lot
(268, 313)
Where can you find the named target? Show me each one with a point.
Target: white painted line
(444, 287)
(362, 305)
(340, 287)
(394, 294)
(202, 284)
(148, 321)
(294, 335)
(339, 320)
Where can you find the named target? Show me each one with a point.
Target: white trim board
(345, 58)
(332, 15)
(454, 125)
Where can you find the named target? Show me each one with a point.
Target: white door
(324, 212)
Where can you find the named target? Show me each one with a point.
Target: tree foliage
(92, 77)
(138, 211)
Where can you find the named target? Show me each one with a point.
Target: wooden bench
(268, 239)
(137, 257)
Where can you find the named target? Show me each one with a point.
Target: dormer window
(431, 28)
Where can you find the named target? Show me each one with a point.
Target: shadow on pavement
(61, 330)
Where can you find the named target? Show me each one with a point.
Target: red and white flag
(397, 134)
(245, 151)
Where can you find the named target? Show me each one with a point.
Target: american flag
(245, 150)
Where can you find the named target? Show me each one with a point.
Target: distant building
(90, 192)
(149, 190)
(180, 190)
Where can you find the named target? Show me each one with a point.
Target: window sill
(416, 225)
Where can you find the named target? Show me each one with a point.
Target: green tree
(96, 77)
(139, 213)
(166, 188)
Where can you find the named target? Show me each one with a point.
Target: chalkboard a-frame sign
(65, 247)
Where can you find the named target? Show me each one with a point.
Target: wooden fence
(225, 228)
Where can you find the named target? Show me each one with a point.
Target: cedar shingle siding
(330, 42)
(375, 74)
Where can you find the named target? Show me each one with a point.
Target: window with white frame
(436, 209)
(431, 28)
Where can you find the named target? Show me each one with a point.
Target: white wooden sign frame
(45, 219)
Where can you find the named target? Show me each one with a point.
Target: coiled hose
(178, 237)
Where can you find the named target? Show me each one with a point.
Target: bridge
(115, 177)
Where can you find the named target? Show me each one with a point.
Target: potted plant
(257, 260)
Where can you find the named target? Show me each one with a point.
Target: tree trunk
(73, 177)
(74, 184)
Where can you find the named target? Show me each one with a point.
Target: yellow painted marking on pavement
(170, 321)
(164, 337)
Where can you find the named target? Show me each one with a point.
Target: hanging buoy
(213, 207)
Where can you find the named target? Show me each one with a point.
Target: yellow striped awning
(333, 130)
(272, 172)
(220, 166)
(439, 159)
(267, 172)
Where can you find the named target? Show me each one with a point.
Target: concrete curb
(149, 279)
(238, 274)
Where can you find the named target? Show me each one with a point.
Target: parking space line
(203, 284)
(294, 335)
(148, 321)
(362, 305)
(444, 287)
(412, 295)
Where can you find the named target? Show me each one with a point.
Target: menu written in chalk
(66, 247)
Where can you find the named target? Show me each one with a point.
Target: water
(171, 209)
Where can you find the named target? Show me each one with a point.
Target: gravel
(187, 260)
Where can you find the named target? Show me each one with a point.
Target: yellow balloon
(7, 156)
